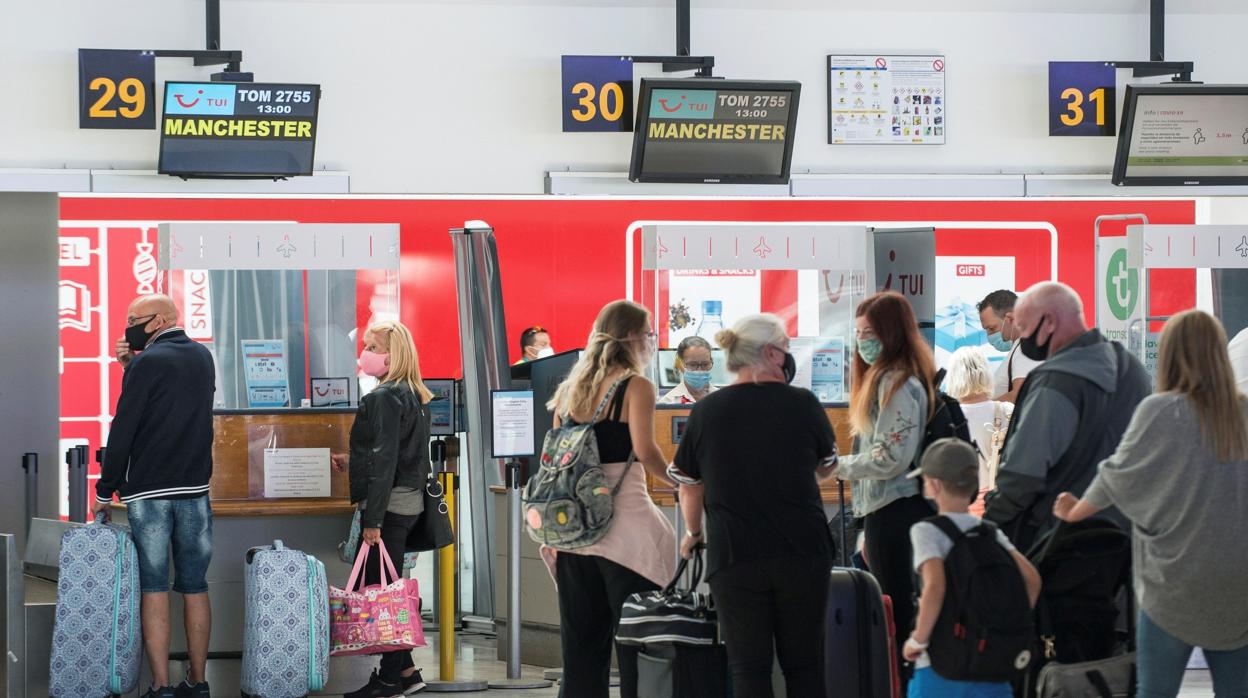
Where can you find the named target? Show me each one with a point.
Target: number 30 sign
(1082, 98)
(597, 93)
(115, 89)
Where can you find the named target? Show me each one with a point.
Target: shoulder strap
(605, 400)
(617, 406)
(946, 526)
(1009, 369)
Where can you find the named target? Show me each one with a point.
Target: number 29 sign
(115, 89)
(597, 93)
(1082, 98)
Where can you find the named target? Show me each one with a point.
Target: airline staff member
(694, 363)
(996, 315)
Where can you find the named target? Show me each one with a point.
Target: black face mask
(789, 367)
(1032, 349)
(137, 336)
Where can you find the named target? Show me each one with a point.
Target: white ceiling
(1233, 7)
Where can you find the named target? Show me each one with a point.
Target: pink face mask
(374, 364)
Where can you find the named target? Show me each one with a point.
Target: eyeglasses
(698, 365)
(131, 320)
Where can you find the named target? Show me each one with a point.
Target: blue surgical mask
(1000, 343)
(869, 349)
(697, 380)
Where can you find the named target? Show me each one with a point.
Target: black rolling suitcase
(859, 648)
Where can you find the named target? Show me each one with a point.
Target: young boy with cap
(950, 471)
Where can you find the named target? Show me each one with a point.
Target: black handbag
(433, 530)
(682, 617)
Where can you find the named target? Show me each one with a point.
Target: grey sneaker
(413, 684)
(166, 692)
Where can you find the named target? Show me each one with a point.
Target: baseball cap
(950, 460)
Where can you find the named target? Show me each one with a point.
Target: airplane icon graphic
(762, 249)
(662, 249)
(1242, 249)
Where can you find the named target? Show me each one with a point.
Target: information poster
(296, 472)
(886, 100)
(513, 423)
(442, 407)
(264, 366)
(695, 294)
(827, 371)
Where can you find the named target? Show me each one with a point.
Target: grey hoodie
(1072, 412)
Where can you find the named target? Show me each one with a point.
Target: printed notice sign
(296, 472)
(513, 423)
(828, 369)
(886, 100)
(264, 366)
(441, 407)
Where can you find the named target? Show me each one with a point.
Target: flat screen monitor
(716, 131)
(1183, 135)
(250, 130)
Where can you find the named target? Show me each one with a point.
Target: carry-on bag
(671, 615)
(860, 646)
(1103, 678)
(380, 618)
(96, 640)
(286, 627)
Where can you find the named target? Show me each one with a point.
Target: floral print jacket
(882, 456)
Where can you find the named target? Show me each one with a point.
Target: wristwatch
(692, 534)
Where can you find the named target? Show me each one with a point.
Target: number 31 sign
(1082, 98)
(115, 89)
(597, 93)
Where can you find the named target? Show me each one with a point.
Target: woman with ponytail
(889, 404)
(636, 553)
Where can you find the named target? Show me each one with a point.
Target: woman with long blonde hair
(891, 398)
(1180, 475)
(389, 470)
(637, 552)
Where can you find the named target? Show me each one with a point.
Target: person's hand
(688, 544)
(122, 349)
(1063, 505)
(372, 536)
(97, 506)
(912, 650)
(339, 461)
(530, 353)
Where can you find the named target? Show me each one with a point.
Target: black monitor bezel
(642, 120)
(1120, 178)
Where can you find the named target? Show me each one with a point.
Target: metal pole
(212, 22)
(30, 463)
(513, 680)
(77, 485)
(682, 27)
(1157, 31)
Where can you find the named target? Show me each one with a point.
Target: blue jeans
(928, 684)
(184, 523)
(1162, 661)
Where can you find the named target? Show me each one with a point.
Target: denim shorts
(183, 524)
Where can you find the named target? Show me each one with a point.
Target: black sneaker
(413, 684)
(166, 692)
(376, 688)
(186, 690)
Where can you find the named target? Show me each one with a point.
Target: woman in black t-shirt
(752, 456)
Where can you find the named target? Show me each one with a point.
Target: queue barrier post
(30, 464)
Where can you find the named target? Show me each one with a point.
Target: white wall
(463, 97)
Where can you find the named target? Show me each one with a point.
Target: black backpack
(947, 420)
(985, 630)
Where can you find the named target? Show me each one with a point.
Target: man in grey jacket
(1072, 411)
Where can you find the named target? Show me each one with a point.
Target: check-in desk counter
(539, 605)
(244, 518)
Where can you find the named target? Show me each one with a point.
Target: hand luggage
(286, 631)
(96, 641)
(860, 647)
(1102, 678)
(375, 619)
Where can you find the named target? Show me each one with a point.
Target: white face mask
(544, 352)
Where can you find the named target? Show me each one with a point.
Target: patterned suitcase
(286, 632)
(96, 642)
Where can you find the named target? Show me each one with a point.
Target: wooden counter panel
(662, 493)
(238, 466)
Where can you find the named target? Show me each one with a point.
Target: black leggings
(395, 529)
(592, 590)
(780, 603)
(891, 560)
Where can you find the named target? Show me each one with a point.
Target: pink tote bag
(380, 618)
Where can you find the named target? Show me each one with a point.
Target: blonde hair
(404, 362)
(608, 350)
(969, 374)
(1193, 362)
(745, 341)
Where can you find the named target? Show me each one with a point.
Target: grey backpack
(568, 503)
